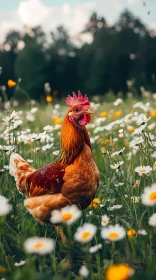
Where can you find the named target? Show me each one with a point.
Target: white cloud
(153, 25)
(8, 21)
(32, 12)
(131, 2)
(72, 16)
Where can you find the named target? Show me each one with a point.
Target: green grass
(116, 188)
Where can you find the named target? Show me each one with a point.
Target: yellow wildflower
(11, 83)
(126, 144)
(153, 113)
(107, 141)
(30, 143)
(103, 150)
(131, 233)
(119, 272)
(100, 139)
(103, 114)
(131, 128)
(56, 120)
(49, 98)
(132, 111)
(95, 203)
(118, 114)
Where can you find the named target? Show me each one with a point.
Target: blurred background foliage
(116, 54)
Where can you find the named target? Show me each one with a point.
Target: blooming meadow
(114, 238)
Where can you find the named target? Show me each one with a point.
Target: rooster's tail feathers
(21, 171)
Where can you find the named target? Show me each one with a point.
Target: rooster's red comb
(75, 100)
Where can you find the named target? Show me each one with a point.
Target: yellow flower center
(113, 235)
(142, 170)
(154, 165)
(38, 245)
(119, 272)
(126, 143)
(67, 216)
(104, 221)
(86, 234)
(103, 149)
(131, 129)
(107, 141)
(152, 196)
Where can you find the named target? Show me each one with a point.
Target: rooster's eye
(76, 110)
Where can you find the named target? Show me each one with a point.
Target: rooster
(72, 178)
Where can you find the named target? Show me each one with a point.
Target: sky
(73, 14)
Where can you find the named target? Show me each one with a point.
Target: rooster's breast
(81, 179)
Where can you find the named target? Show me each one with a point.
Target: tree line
(119, 57)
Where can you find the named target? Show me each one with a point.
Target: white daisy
(118, 101)
(68, 215)
(56, 153)
(136, 142)
(104, 220)
(48, 128)
(149, 195)
(151, 126)
(118, 153)
(113, 233)
(143, 170)
(39, 245)
(85, 233)
(7, 149)
(116, 165)
(111, 208)
(19, 264)
(142, 106)
(30, 117)
(142, 232)
(142, 119)
(84, 272)
(23, 138)
(95, 248)
(152, 220)
(150, 136)
(5, 207)
(34, 110)
(47, 147)
(140, 129)
(135, 199)
(12, 118)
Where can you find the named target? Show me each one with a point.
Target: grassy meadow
(123, 137)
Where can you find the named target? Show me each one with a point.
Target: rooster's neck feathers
(72, 139)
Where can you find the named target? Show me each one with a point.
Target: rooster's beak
(88, 112)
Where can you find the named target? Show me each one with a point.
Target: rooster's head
(79, 112)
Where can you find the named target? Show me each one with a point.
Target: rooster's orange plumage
(72, 178)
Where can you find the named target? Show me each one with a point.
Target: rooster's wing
(46, 180)
(32, 182)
